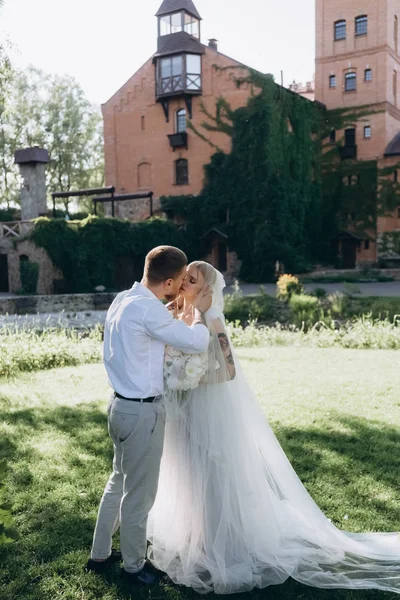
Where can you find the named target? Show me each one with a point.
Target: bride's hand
(204, 299)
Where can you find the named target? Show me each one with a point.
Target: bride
(231, 513)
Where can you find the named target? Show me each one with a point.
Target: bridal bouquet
(183, 371)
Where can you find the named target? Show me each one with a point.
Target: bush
(319, 292)
(306, 309)
(288, 285)
(250, 308)
(29, 272)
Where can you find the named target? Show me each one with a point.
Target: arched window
(181, 171)
(361, 25)
(181, 121)
(350, 82)
(340, 30)
(144, 175)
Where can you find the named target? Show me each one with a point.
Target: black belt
(135, 399)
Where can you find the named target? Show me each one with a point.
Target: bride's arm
(225, 348)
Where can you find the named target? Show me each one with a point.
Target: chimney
(213, 43)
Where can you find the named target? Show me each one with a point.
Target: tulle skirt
(231, 513)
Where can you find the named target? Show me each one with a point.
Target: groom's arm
(160, 324)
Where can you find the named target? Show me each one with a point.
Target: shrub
(306, 309)
(248, 308)
(29, 272)
(288, 285)
(319, 292)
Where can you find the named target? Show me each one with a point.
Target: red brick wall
(138, 155)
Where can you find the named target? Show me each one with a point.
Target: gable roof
(170, 6)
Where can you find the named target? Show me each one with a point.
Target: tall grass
(362, 333)
(24, 350)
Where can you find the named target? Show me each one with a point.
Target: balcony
(179, 84)
(178, 140)
(348, 152)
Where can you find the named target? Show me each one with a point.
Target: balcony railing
(15, 229)
(188, 84)
(348, 152)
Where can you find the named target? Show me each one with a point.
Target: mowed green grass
(336, 413)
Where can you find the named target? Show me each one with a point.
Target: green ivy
(86, 251)
(29, 273)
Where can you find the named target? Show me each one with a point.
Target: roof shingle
(179, 42)
(170, 6)
(393, 148)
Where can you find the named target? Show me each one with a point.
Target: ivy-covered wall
(265, 194)
(93, 252)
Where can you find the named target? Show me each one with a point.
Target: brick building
(148, 145)
(358, 65)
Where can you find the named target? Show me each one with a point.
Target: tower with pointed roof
(178, 60)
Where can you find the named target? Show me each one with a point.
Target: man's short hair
(164, 262)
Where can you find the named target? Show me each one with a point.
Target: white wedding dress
(231, 513)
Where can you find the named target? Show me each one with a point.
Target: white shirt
(137, 328)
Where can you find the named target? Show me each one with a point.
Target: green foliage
(270, 183)
(29, 273)
(52, 112)
(306, 309)
(389, 242)
(248, 308)
(87, 251)
(287, 285)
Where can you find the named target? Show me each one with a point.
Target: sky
(102, 43)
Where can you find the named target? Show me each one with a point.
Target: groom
(137, 328)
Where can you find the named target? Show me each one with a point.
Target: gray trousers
(137, 431)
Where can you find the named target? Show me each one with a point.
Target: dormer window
(179, 21)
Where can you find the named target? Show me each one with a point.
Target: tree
(52, 112)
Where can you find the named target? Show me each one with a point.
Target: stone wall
(22, 305)
(48, 273)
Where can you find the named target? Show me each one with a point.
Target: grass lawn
(335, 411)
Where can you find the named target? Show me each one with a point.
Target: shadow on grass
(57, 525)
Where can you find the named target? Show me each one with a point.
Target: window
(181, 172)
(144, 175)
(396, 176)
(192, 26)
(332, 136)
(350, 82)
(193, 71)
(171, 23)
(142, 123)
(350, 137)
(332, 81)
(368, 75)
(398, 213)
(181, 121)
(396, 33)
(340, 30)
(367, 132)
(361, 25)
(395, 85)
(366, 245)
(178, 73)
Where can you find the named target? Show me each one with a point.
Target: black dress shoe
(144, 577)
(100, 567)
